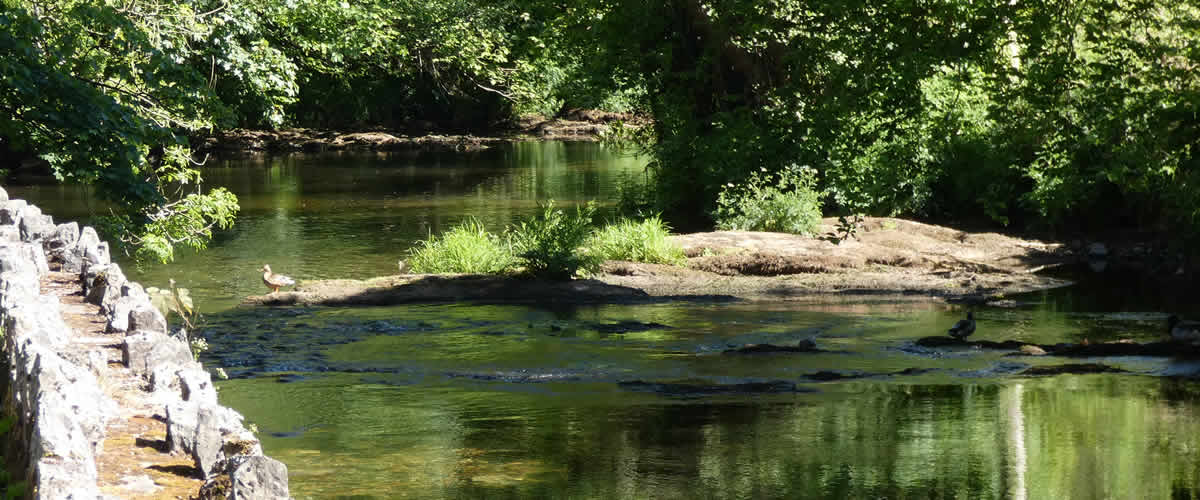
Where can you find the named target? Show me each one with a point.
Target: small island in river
(888, 260)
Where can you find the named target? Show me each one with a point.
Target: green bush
(789, 205)
(645, 241)
(468, 248)
(549, 245)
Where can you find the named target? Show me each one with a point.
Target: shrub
(645, 241)
(467, 248)
(549, 244)
(789, 205)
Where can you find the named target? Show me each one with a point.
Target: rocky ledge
(886, 260)
(106, 401)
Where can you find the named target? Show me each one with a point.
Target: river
(639, 401)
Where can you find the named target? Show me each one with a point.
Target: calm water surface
(620, 401)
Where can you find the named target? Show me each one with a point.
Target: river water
(640, 401)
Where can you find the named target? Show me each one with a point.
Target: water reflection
(1106, 437)
(472, 401)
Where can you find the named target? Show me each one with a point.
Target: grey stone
(145, 318)
(143, 352)
(196, 385)
(35, 226)
(10, 233)
(33, 252)
(259, 478)
(10, 211)
(202, 431)
(87, 249)
(61, 241)
(37, 318)
(17, 286)
(3, 194)
(104, 286)
(132, 294)
(16, 256)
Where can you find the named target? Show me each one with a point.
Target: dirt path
(887, 260)
(133, 463)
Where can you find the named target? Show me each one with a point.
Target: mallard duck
(274, 281)
(1183, 329)
(964, 328)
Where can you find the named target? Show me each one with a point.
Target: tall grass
(645, 241)
(467, 248)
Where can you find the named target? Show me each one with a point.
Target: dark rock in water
(259, 478)
(518, 377)
(705, 389)
(627, 326)
(1125, 348)
(1073, 368)
(802, 346)
(946, 341)
(290, 377)
(829, 376)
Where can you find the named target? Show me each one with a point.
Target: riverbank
(577, 125)
(887, 260)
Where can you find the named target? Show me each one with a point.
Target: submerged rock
(689, 388)
(806, 345)
(627, 326)
(1073, 368)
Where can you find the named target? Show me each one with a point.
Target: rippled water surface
(643, 401)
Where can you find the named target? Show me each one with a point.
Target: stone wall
(56, 395)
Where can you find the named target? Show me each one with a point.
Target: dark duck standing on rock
(274, 281)
(964, 328)
(1183, 330)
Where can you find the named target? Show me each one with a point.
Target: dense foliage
(1035, 113)
(1041, 113)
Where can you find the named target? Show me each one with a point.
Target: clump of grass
(549, 245)
(644, 241)
(467, 248)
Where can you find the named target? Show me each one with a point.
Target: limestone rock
(202, 431)
(132, 294)
(35, 226)
(61, 241)
(259, 478)
(145, 318)
(10, 211)
(104, 286)
(88, 248)
(143, 352)
(16, 256)
(33, 252)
